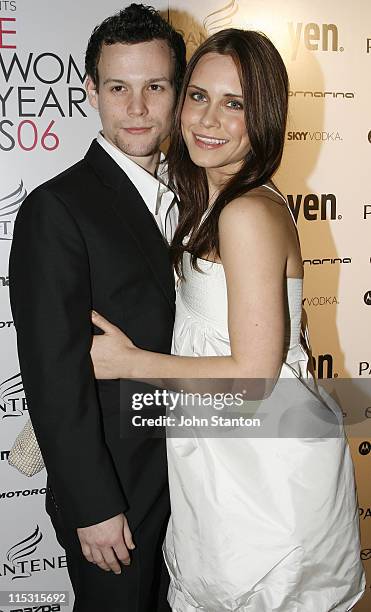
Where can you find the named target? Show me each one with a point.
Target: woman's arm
(253, 248)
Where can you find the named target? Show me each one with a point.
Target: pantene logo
(195, 32)
(314, 36)
(221, 19)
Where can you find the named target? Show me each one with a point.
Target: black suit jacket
(86, 240)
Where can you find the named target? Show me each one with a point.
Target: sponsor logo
(364, 513)
(42, 608)
(22, 493)
(327, 260)
(315, 207)
(364, 368)
(366, 554)
(348, 95)
(4, 281)
(220, 19)
(195, 33)
(22, 550)
(9, 206)
(4, 454)
(4, 324)
(321, 300)
(366, 210)
(324, 366)
(20, 562)
(314, 136)
(12, 399)
(364, 448)
(314, 37)
(367, 298)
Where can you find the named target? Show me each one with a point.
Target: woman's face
(213, 119)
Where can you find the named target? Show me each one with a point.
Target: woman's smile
(209, 142)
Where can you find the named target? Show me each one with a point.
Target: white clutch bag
(25, 454)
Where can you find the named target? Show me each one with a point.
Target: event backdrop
(46, 125)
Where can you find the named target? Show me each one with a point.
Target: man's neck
(149, 163)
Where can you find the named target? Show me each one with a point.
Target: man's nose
(137, 106)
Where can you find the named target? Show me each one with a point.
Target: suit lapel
(135, 216)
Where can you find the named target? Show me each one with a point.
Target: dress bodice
(205, 296)
(201, 322)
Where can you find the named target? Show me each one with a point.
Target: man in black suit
(96, 237)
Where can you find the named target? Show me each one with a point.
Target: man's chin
(138, 149)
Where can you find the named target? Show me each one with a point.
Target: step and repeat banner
(47, 125)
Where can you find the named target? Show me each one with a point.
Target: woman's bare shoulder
(256, 206)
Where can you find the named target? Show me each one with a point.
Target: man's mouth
(138, 130)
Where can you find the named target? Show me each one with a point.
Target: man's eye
(117, 88)
(155, 87)
(197, 96)
(235, 105)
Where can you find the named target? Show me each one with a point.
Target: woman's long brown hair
(264, 84)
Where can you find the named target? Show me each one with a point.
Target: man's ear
(91, 90)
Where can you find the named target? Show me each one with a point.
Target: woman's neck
(218, 177)
(215, 181)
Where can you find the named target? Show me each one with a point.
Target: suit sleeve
(51, 304)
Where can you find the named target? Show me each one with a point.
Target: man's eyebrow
(159, 79)
(120, 81)
(226, 95)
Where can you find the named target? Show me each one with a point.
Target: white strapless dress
(257, 524)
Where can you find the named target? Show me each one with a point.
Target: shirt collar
(147, 184)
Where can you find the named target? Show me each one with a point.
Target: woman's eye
(234, 105)
(197, 96)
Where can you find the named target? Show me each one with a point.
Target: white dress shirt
(153, 189)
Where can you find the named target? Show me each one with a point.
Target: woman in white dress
(258, 524)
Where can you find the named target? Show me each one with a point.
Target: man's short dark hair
(135, 24)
